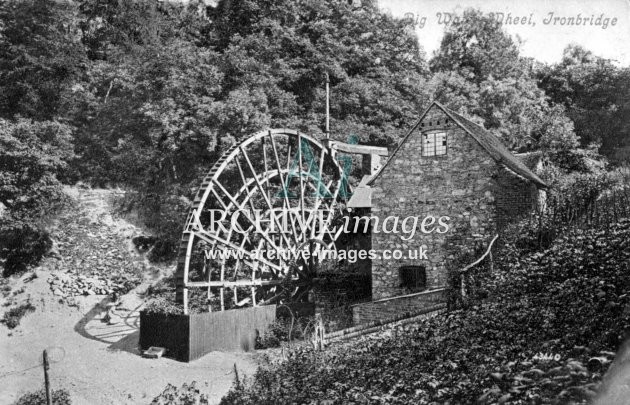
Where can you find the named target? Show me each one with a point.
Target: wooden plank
(237, 283)
(359, 149)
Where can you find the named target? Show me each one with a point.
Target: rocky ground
(93, 341)
(93, 253)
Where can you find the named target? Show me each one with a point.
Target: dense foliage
(40, 59)
(478, 70)
(595, 93)
(169, 87)
(283, 330)
(32, 156)
(23, 244)
(569, 300)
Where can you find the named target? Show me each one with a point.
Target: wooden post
(615, 205)
(491, 262)
(185, 300)
(318, 335)
(311, 260)
(46, 379)
(327, 106)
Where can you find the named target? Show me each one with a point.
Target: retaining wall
(389, 308)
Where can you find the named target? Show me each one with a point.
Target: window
(433, 143)
(413, 278)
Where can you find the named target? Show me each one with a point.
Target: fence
(596, 210)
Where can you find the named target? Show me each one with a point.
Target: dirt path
(97, 362)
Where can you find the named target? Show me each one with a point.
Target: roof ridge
(494, 147)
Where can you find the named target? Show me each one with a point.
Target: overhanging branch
(473, 264)
(476, 262)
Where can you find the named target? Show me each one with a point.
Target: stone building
(447, 166)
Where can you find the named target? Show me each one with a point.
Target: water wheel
(267, 198)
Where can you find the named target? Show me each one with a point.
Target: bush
(13, 316)
(162, 299)
(279, 331)
(164, 215)
(164, 250)
(22, 244)
(186, 395)
(32, 156)
(59, 397)
(578, 160)
(164, 305)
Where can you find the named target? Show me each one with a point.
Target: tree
(41, 57)
(478, 70)
(478, 48)
(290, 45)
(595, 94)
(32, 156)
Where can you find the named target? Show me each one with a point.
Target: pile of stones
(93, 252)
(71, 285)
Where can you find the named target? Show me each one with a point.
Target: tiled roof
(487, 140)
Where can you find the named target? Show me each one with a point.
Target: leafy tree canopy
(478, 48)
(32, 155)
(168, 97)
(478, 70)
(595, 93)
(41, 57)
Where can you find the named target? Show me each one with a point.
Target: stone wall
(460, 185)
(515, 197)
(340, 290)
(388, 308)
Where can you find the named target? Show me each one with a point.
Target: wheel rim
(288, 189)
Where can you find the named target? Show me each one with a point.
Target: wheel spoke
(262, 192)
(301, 179)
(284, 185)
(264, 234)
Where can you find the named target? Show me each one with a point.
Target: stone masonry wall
(391, 307)
(515, 197)
(460, 185)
